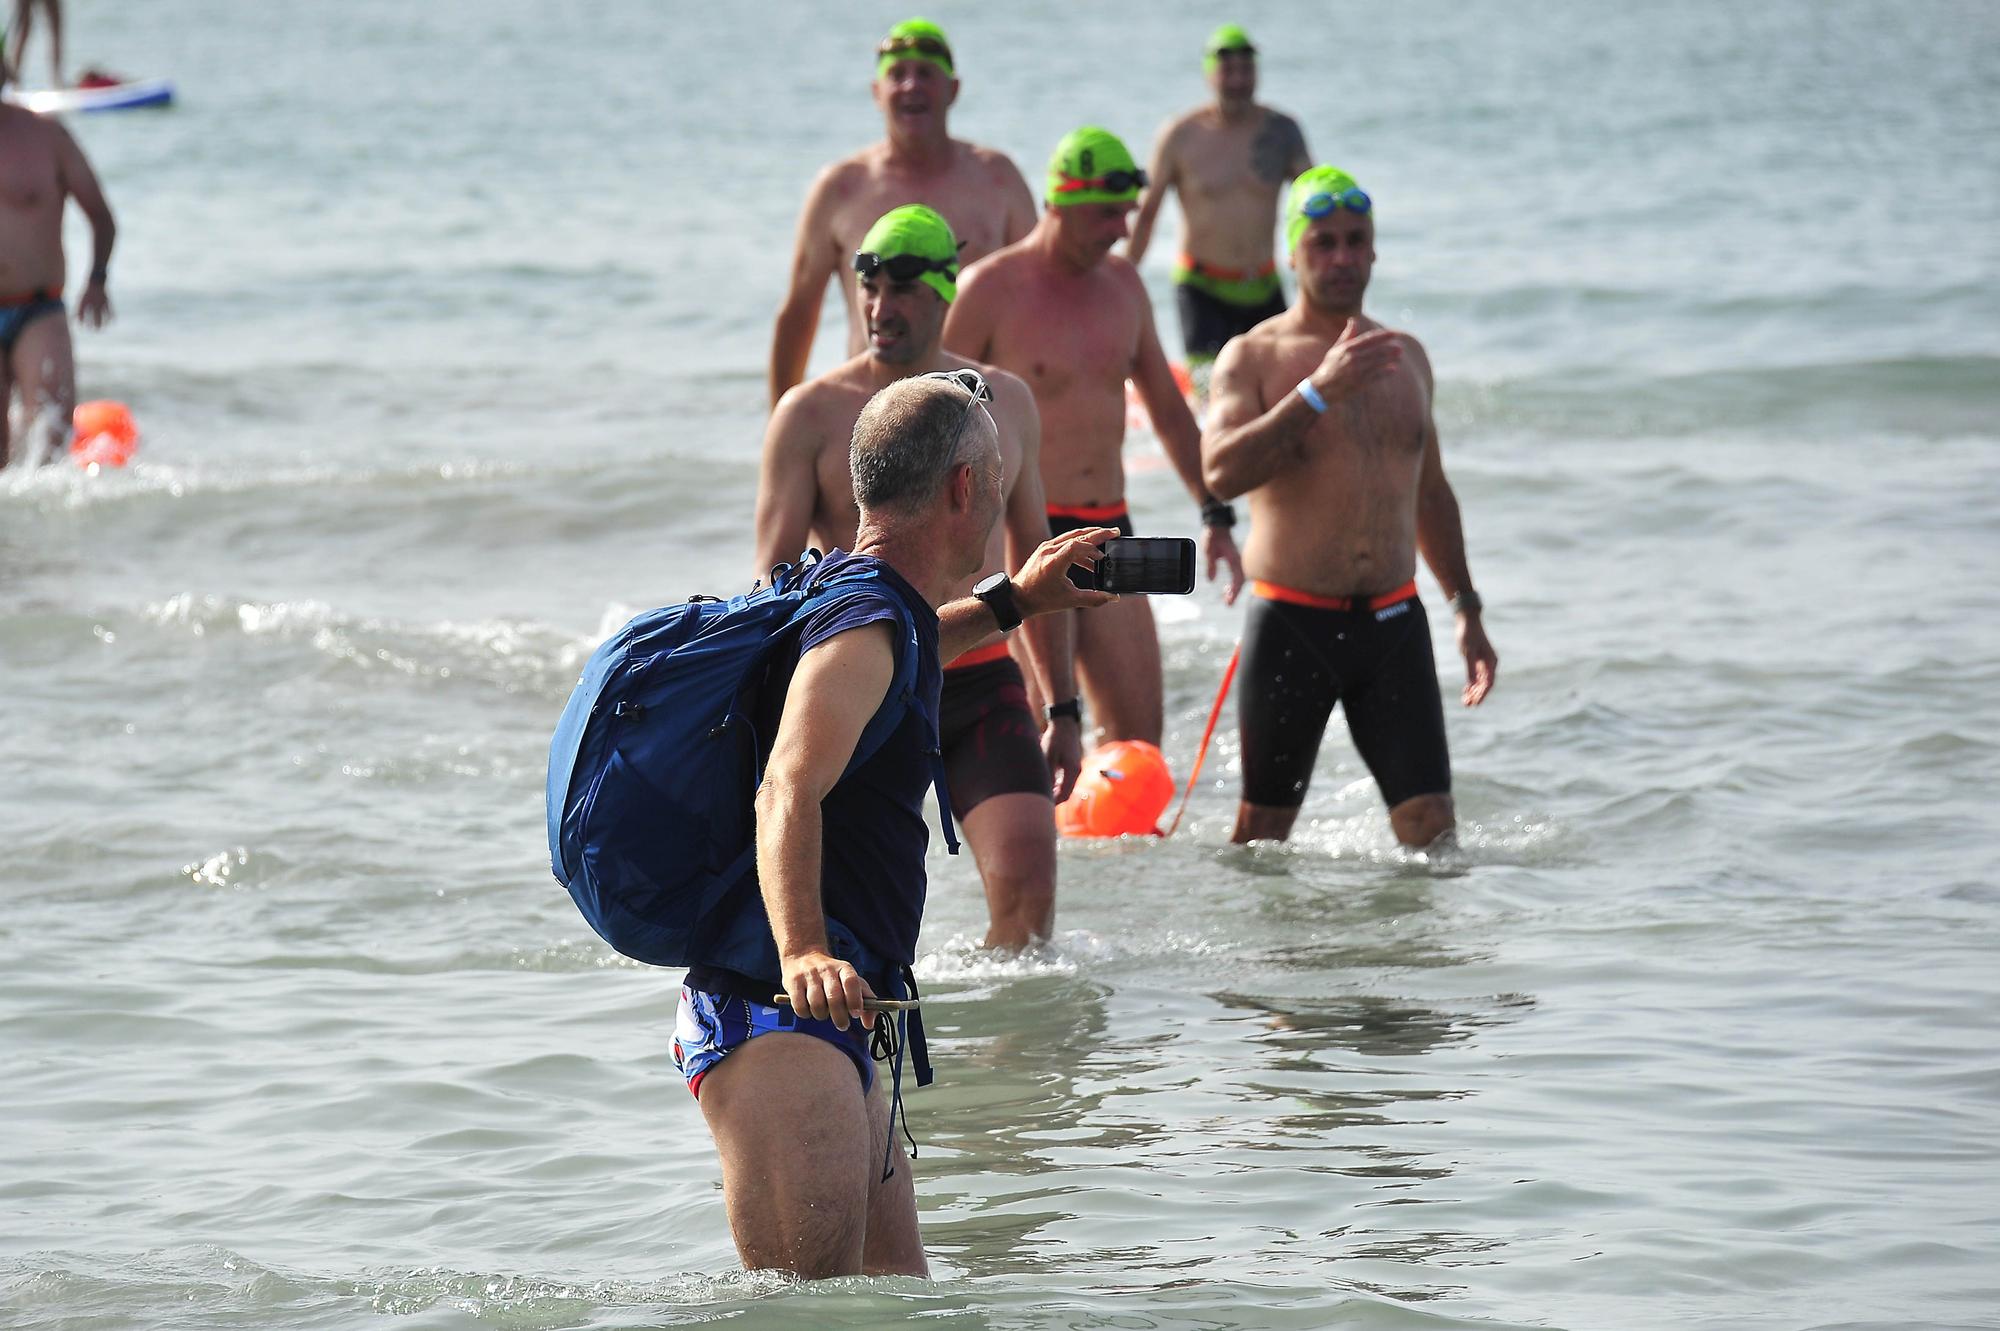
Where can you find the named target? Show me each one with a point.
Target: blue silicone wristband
(1312, 397)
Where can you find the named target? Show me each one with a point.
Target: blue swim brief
(709, 1025)
(15, 316)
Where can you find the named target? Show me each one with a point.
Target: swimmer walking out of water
(978, 190)
(1229, 161)
(1000, 780)
(1073, 319)
(1322, 417)
(41, 170)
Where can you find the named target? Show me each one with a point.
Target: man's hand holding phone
(1044, 584)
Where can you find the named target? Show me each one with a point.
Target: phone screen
(1149, 565)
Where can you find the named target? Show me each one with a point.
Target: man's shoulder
(1178, 127)
(817, 404)
(24, 126)
(991, 274)
(995, 163)
(1249, 352)
(844, 175)
(1125, 275)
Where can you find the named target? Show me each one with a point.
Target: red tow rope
(1201, 754)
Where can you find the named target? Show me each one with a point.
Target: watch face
(991, 582)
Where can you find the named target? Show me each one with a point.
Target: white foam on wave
(963, 961)
(518, 654)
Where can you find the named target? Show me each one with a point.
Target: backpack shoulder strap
(904, 696)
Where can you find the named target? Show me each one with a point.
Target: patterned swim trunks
(708, 1026)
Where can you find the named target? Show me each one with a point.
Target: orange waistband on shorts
(1272, 591)
(29, 298)
(979, 656)
(1220, 274)
(1090, 512)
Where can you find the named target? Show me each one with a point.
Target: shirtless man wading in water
(1228, 161)
(978, 190)
(1073, 319)
(41, 170)
(1002, 774)
(1323, 418)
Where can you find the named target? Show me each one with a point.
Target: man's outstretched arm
(1159, 179)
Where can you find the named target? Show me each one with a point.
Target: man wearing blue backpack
(813, 1177)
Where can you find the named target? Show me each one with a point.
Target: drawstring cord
(886, 1046)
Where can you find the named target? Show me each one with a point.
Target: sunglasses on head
(976, 392)
(1319, 205)
(901, 267)
(929, 46)
(1111, 182)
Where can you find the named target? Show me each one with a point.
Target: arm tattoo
(1278, 144)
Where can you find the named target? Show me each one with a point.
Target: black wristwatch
(1071, 707)
(1215, 513)
(997, 592)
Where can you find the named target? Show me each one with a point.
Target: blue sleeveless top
(873, 833)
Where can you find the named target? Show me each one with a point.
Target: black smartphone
(1143, 565)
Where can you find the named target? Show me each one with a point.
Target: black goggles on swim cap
(901, 267)
(929, 46)
(1111, 182)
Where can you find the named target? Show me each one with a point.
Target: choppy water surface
(446, 324)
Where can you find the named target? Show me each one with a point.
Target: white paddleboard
(127, 96)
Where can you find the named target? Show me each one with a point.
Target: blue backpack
(656, 762)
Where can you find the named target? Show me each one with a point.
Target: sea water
(446, 325)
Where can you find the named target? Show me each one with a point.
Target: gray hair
(902, 450)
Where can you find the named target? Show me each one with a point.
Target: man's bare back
(1339, 516)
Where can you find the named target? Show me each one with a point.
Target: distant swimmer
(1000, 780)
(1228, 161)
(812, 1175)
(978, 190)
(41, 169)
(1322, 416)
(1073, 319)
(21, 26)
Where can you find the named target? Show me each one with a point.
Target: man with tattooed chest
(1228, 160)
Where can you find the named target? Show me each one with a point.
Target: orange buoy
(105, 434)
(1124, 789)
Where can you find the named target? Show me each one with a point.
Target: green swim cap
(914, 39)
(1327, 181)
(1228, 37)
(1083, 160)
(916, 230)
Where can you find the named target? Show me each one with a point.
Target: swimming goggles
(901, 267)
(1111, 182)
(1319, 205)
(976, 390)
(929, 46)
